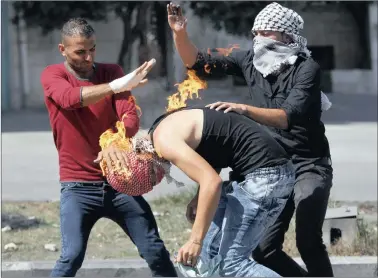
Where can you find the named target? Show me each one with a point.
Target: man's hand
(191, 209)
(188, 254)
(114, 157)
(176, 20)
(228, 107)
(132, 80)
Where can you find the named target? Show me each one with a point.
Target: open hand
(115, 158)
(228, 107)
(134, 79)
(176, 20)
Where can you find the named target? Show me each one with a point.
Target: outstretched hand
(176, 20)
(134, 79)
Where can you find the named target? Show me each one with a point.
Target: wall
(332, 26)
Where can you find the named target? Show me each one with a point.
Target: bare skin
(188, 53)
(176, 139)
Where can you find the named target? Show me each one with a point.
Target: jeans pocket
(256, 188)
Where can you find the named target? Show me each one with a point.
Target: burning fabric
(145, 167)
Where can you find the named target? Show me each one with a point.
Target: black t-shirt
(296, 91)
(235, 141)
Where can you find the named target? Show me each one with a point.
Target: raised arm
(200, 171)
(201, 61)
(57, 88)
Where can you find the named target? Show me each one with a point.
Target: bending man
(199, 140)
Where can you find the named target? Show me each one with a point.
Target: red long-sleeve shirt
(77, 129)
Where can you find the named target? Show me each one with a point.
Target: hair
(77, 27)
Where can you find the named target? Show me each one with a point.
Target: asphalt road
(30, 165)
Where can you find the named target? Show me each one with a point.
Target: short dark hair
(77, 27)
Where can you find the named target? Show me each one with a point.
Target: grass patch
(108, 241)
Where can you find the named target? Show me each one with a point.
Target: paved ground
(30, 164)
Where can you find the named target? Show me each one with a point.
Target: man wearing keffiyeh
(285, 95)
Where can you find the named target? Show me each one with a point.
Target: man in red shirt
(84, 99)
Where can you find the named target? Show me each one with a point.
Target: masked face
(271, 56)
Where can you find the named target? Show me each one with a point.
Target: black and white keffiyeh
(275, 17)
(270, 56)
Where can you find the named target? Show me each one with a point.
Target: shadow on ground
(346, 108)
(18, 221)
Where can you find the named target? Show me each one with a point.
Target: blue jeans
(309, 202)
(245, 211)
(82, 204)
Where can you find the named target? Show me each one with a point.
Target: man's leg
(251, 207)
(311, 197)
(134, 216)
(269, 251)
(78, 214)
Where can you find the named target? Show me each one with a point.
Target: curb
(342, 266)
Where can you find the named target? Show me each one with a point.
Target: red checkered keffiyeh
(145, 170)
(145, 167)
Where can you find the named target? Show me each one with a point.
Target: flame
(222, 51)
(133, 99)
(225, 51)
(186, 89)
(117, 139)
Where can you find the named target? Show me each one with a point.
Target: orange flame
(186, 89)
(225, 51)
(117, 139)
(133, 99)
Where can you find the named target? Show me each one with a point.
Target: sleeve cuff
(76, 100)
(81, 96)
(288, 113)
(200, 61)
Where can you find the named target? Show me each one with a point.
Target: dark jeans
(82, 204)
(310, 199)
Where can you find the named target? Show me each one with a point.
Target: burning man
(199, 140)
(284, 85)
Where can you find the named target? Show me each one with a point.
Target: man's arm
(57, 88)
(305, 91)
(206, 63)
(199, 170)
(193, 58)
(268, 116)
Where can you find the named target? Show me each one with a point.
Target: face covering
(271, 56)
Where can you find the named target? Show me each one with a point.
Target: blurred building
(332, 33)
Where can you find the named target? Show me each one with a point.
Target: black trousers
(309, 201)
